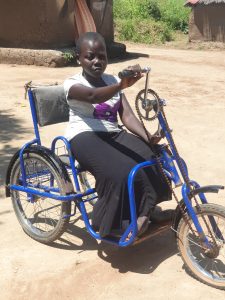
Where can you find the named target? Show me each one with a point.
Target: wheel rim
(37, 214)
(210, 264)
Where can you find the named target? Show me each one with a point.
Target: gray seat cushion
(66, 161)
(51, 104)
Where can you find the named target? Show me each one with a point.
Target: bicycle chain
(182, 170)
(138, 109)
(162, 170)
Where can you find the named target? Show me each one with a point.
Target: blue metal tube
(168, 164)
(83, 211)
(90, 229)
(170, 141)
(34, 116)
(22, 167)
(44, 187)
(89, 199)
(192, 214)
(133, 224)
(201, 195)
(49, 195)
(72, 161)
(211, 218)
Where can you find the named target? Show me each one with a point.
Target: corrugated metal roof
(206, 2)
(210, 1)
(191, 2)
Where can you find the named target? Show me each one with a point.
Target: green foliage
(69, 56)
(125, 9)
(174, 14)
(147, 32)
(137, 19)
(153, 10)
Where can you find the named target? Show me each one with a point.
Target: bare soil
(77, 267)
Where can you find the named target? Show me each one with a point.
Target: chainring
(145, 106)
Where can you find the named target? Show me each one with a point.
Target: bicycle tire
(43, 219)
(207, 267)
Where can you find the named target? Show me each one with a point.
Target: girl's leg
(110, 169)
(140, 151)
(110, 157)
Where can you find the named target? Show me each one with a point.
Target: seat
(51, 105)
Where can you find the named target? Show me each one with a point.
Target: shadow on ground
(127, 57)
(11, 128)
(142, 258)
(76, 237)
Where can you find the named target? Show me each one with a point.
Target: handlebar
(132, 71)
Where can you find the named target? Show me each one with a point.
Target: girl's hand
(129, 81)
(155, 139)
(130, 75)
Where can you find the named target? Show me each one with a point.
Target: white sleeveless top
(91, 117)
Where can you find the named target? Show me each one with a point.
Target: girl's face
(93, 59)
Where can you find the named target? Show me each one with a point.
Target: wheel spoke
(207, 265)
(40, 217)
(194, 243)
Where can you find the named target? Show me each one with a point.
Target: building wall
(102, 13)
(36, 23)
(207, 23)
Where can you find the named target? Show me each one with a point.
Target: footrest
(153, 230)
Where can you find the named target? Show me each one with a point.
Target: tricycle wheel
(43, 219)
(205, 262)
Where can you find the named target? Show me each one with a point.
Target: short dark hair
(88, 36)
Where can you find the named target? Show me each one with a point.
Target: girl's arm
(132, 123)
(100, 94)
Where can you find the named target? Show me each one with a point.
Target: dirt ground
(77, 267)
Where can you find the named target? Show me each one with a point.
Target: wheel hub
(212, 252)
(147, 105)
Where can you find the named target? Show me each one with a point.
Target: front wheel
(205, 263)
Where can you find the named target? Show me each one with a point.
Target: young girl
(104, 149)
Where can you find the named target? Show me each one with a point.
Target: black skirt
(110, 158)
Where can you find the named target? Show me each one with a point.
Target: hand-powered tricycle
(43, 186)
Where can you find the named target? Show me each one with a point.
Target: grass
(150, 21)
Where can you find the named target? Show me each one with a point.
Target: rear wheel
(43, 219)
(205, 263)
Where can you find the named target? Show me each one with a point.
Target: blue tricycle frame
(173, 165)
